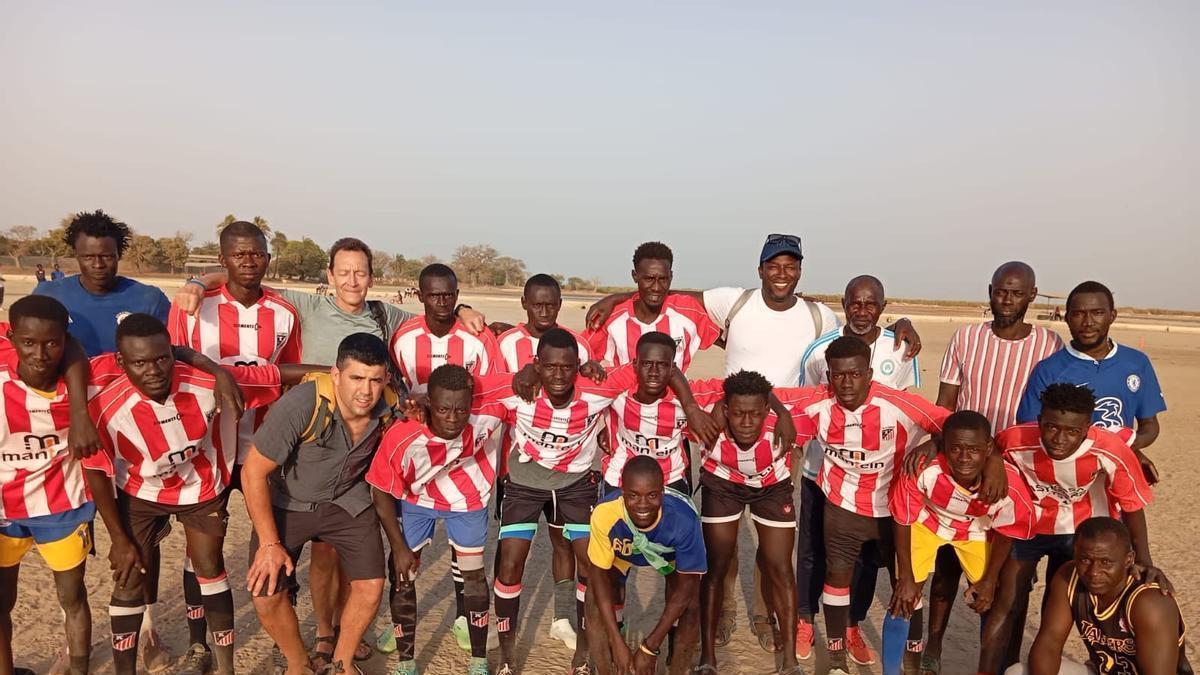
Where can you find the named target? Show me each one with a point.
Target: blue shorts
(464, 529)
(1059, 547)
(50, 528)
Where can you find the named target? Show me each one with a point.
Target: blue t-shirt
(94, 318)
(56, 275)
(1124, 383)
(677, 529)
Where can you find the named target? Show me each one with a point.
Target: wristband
(199, 283)
(274, 543)
(646, 650)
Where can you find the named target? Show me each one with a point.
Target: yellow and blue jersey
(677, 531)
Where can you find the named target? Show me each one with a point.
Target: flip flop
(725, 626)
(930, 666)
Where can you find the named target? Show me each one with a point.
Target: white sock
(148, 619)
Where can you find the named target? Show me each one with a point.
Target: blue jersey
(1124, 383)
(677, 532)
(94, 318)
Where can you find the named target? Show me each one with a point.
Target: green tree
(302, 259)
(412, 268)
(381, 263)
(579, 284)
(263, 224)
(176, 250)
(396, 269)
(226, 222)
(54, 244)
(279, 242)
(23, 240)
(473, 264)
(143, 253)
(507, 271)
(207, 248)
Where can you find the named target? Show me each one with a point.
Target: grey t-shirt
(532, 474)
(328, 470)
(323, 325)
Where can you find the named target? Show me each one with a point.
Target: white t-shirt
(888, 367)
(765, 340)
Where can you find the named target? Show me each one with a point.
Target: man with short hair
(425, 342)
(863, 302)
(98, 298)
(554, 445)
(1075, 471)
(653, 308)
(240, 323)
(985, 369)
(743, 468)
(325, 320)
(45, 501)
(645, 524)
(164, 445)
(941, 508)
(56, 273)
(335, 425)
(1124, 628)
(439, 470)
(1121, 377)
(542, 301)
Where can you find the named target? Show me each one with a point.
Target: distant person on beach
(56, 273)
(40, 273)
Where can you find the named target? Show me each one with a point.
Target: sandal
(725, 626)
(362, 652)
(703, 668)
(930, 666)
(320, 658)
(769, 640)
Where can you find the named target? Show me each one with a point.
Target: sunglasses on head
(783, 238)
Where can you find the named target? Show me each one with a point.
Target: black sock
(836, 603)
(197, 624)
(218, 608)
(476, 602)
(508, 607)
(457, 578)
(125, 617)
(404, 618)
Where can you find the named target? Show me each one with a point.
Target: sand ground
(38, 630)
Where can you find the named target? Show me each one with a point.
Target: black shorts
(235, 479)
(723, 501)
(846, 533)
(569, 508)
(150, 522)
(357, 540)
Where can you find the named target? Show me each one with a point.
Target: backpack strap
(396, 382)
(814, 310)
(325, 406)
(737, 307)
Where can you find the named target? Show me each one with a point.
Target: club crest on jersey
(123, 642)
(888, 434)
(280, 338)
(1133, 382)
(887, 367)
(223, 638)
(479, 619)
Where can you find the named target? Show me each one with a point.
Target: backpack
(321, 421)
(814, 310)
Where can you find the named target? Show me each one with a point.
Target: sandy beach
(1176, 356)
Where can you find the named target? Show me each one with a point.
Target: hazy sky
(921, 142)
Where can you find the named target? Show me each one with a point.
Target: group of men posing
(117, 401)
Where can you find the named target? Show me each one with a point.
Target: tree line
(301, 259)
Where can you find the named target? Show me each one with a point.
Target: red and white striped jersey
(174, 452)
(415, 465)
(681, 317)
(417, 352)
(1102, 478)
(655, 429)
(231, 334)
(518, 347)
(761, 465)
(862, 447)
(954, 513)
(991, 372)
(38, 475)
(559, 439)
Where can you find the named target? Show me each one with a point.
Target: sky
(923, 142)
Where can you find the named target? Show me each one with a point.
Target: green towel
(651, 551)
